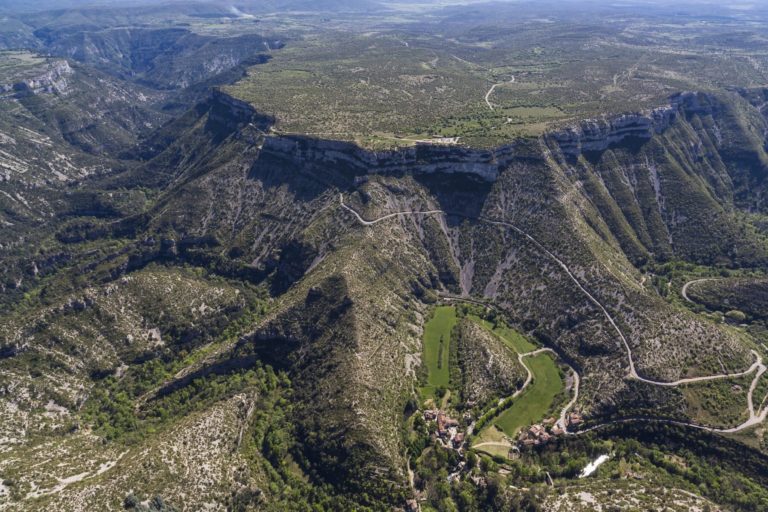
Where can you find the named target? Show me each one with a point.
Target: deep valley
(304, 256)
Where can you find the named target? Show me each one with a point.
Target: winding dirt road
(755, 417)
(684, 291)
(493, 88)
(561, 422)
(385, 217)
(493, 443)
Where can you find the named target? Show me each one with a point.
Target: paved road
(755, 418)
(385, 217)
(684, 291)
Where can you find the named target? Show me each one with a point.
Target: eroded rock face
(419, 159)
(600, 134)
(592, 135)
(53, 79)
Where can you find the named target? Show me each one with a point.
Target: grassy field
(511, 337)
(437, 339)
(534, 403)
(494, 441)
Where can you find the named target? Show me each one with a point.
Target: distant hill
(301, 255)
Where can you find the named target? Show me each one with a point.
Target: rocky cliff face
(589, 136)
(419, 159)
(50, 79)
(600, 134)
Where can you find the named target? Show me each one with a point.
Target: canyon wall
(591, 135)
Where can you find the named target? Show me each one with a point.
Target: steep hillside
(489, 368)
(55, 348)
(127, 338)
(745, 295)
(169, 58)
(675, 196)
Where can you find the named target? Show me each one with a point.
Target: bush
(735, 316)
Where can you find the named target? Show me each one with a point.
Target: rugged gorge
(546, 249)
(650, 194)
(165, 58)
(261, 211)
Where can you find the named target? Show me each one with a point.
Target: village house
(536, 435)
(444, 422)
(574, 419)
(447, 428)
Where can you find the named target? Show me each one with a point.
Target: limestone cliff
(52, 78)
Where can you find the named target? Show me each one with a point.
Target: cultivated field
(437, 340)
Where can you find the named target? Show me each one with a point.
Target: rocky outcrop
(51, 79)
(600, 134)
(231, 111)
(418, 159)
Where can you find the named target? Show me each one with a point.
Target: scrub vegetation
(339, 255)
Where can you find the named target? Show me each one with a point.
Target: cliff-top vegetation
(200, 315)
(390, 87)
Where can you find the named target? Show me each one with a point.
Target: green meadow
(437, 339)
